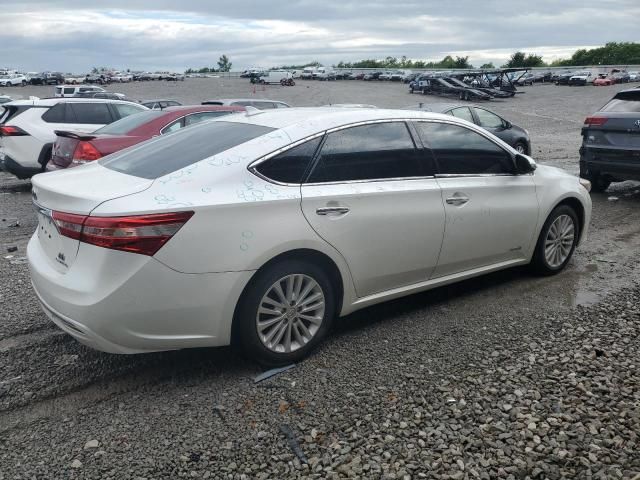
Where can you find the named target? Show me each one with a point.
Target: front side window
(367, 152)
(291, 165)
(91, 113)
(461, 151)
(69, 91)
(488, 119)
(464, 113)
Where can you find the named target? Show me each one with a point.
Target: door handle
(457, 200)
(330, 210)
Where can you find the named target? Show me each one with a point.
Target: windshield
(169, 153)
(131, 122)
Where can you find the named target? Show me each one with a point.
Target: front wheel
(557, 241)
(285, 313)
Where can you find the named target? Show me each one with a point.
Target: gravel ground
(506, 376)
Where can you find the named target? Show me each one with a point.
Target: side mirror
(524, 164)
(507, 124)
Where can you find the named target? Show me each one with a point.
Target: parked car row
(590, 77)
(54, 133)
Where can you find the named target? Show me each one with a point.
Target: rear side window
(55, 114)
(91, 113)
(202, 116)
(169, 153)
(623, 102)
(124, 110)
(460, 151)
(290, 166)
(368, 152)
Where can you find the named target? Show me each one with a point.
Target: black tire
(521, 146)
(245, 332)
(24, 83)
(539, 263)
(461, 95)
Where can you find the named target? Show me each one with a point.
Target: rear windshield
(131, 122)
(623, 102)
(169, 153)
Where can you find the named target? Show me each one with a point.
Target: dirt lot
(507, 376)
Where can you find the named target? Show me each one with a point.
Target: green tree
(523, 60)
(224, 65)
(487, 66)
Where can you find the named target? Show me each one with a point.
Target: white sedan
(260, 229)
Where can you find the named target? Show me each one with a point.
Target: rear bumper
(9, 165)
(618, 163)
(119, 302)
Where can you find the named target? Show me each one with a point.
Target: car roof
(50, 102)
(437, 107)
(328, 117)
(204, 108)
(231, 100)
(155, 100)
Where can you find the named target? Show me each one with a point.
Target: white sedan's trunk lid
(77, 191)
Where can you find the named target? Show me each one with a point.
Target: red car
(603, 80)
(76, 148)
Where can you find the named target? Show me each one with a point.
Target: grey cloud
(478, 28)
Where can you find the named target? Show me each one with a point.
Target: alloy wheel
(559, 241)
(290, 313)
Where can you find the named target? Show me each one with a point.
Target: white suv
(14, 80)
(71, 90)
(27, 127)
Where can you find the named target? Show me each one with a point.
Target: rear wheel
(285, 313)
(557, 241)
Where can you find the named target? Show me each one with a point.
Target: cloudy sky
(75, 35)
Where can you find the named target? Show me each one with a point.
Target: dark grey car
(610, 150)
(506, 131)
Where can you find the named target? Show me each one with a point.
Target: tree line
(613, 53)
(224, 65)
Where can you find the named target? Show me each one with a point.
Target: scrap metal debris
(272, 372)
(293, 443)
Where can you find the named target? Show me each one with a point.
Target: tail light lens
(595, 121)
(10, 131)
(143, 234)
(85, 152)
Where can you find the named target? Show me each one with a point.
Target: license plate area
(59, 250)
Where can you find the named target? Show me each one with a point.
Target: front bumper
(120, 302)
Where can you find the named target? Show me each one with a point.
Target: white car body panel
(385, 247)
(497, 224)
(401, 250)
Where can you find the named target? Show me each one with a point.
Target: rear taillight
(85, 152)
(143, 234)
(595, 121)
(10, 131)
